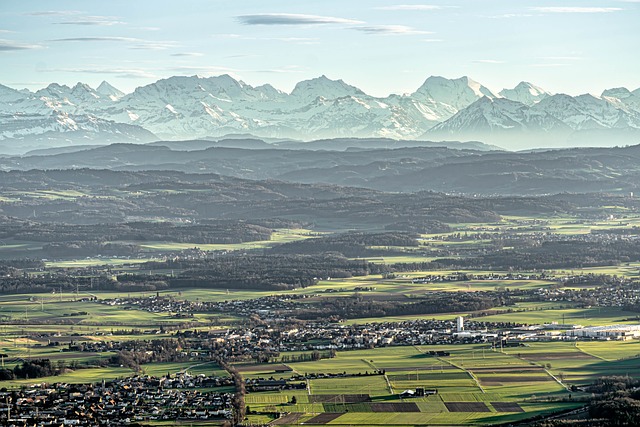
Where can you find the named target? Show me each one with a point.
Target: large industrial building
(613, 332)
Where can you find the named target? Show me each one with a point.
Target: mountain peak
(226, 78)
(9, 94)
(82, 87)
(617, 92)
(106, 89)
(456, 93)
(324, 86)
(55, 88)
(526, 93)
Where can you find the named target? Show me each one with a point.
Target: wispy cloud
(432, 40)
(574, 9)
(228, 36)
(562, 58)
(93, 20)
(97, 39)
(54, 13)
(511, 15)
(11, 45)
(487, 61)
(412, 7)
(549, 65)
(155, 45)
(296, 40)
(390, 30)
(292, 39)
(6, 31)
(187, 54)
(243, 55)
(136, 43)
(293, 19)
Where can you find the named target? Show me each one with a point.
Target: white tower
(460, 323)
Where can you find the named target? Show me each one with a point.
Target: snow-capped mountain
(549, 122)
(59, 115)
(308, 90)
(446, 97)
(181, 107)
(526, 93)
(20, 132)
(9, 95)
(500, 120)
(587, 112)
(105, 89)
(184, 107)
(623, 98)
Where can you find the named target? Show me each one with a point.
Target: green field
(455, 377)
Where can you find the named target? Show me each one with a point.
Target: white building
(460, 324)
(611, 332)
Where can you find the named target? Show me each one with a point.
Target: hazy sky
(381, 46)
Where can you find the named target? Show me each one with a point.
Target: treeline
(275, 272)
(349, 244)
(36, 368)
(239, 406)
(259, 272)
(267, 272)
(420, 226)
(207, 232)
(615, 402)
(553, 255)
(83, 249)
(444, 302)
(14, 264)
(146, 195)
(60, 281)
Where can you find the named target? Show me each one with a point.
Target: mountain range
(182, 107)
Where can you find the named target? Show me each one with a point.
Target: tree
(621, 411)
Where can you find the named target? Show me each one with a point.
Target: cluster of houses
(264, 306)
(113, 403)
(278, 340)
(622, 292)
(461, 277)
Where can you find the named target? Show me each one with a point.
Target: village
(116, 403)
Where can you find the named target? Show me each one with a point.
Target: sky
(380, 46)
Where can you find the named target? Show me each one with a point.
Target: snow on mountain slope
(447, 96)
(623, 98)
(184, 107)
(20, 125)
(556, 120)
(79, 98)
(486, 116)
(9, 95)
(308, 90)
(319, 107)
(526, 93)
(586, 112)
(105, 89)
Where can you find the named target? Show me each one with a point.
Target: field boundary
(581, 350)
